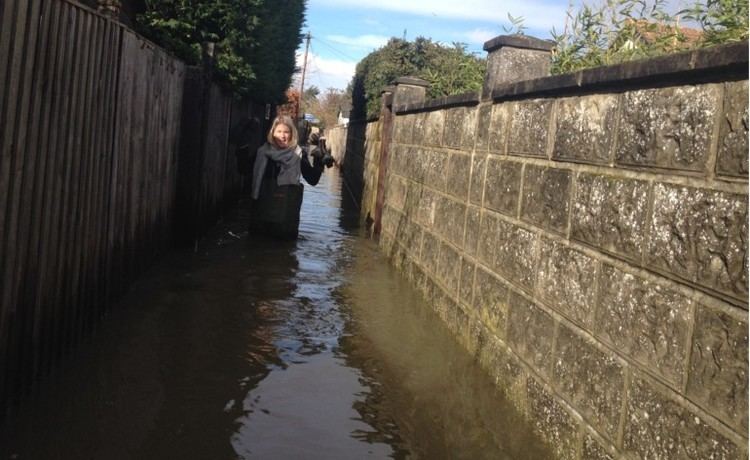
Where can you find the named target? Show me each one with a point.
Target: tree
(291, 102)
(449, 70)
(326, 106)
(255, 40)
(309, 100)
(311, 92)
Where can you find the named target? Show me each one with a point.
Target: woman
(276, 187)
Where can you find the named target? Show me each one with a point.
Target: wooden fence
(90, 135)
(207, 173)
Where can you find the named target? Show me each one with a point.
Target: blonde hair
(283, 120)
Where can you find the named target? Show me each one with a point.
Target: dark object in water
(321, 151)
(327, 158)
(276, 211)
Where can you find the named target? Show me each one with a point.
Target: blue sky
(345, 31)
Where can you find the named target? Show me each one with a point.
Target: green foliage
(516, 25)
(278, 36)
(615, 32)
(311, 92)
(452, 71)
(625, 30)
(255, 40)
(722, 21)
(448, 70)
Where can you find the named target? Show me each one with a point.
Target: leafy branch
(254, 40)
(517, 25)
(625, 30)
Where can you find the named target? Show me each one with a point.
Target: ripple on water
(255, 348)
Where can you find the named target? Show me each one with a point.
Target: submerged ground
(253, 348)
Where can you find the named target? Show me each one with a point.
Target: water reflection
(307, 411)
(304, 408)
(440, 403)
(255, 348)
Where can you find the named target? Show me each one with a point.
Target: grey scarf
(287, 159)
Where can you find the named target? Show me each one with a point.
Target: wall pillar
(513, 58)
(409, 90)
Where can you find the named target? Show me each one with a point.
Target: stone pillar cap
(388, 89)
(518, 41)
(414, 81)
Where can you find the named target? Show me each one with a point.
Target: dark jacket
(285, 166)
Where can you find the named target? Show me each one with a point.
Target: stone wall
(586, 237)
(336, 142)
(360, 163)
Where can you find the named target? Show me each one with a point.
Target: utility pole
(302, 82)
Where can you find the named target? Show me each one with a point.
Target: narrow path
(253, 348)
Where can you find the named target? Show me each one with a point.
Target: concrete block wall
(589, 243)
(336, 142)
(360, 159)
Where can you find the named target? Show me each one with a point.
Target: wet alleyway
(252, 348)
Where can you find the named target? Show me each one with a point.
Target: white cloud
(372, 22)
(536, 13)
(361, 41)
(326, 73)
(480, 36)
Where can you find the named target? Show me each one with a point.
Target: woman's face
(282, 135)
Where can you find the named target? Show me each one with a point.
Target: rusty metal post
(406, 90)
(386, 120)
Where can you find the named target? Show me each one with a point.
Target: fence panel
(18, 38)
(90, 119)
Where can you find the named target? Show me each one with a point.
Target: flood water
(253, 348)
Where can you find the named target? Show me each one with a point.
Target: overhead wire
(334, 49)
(312, 66)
